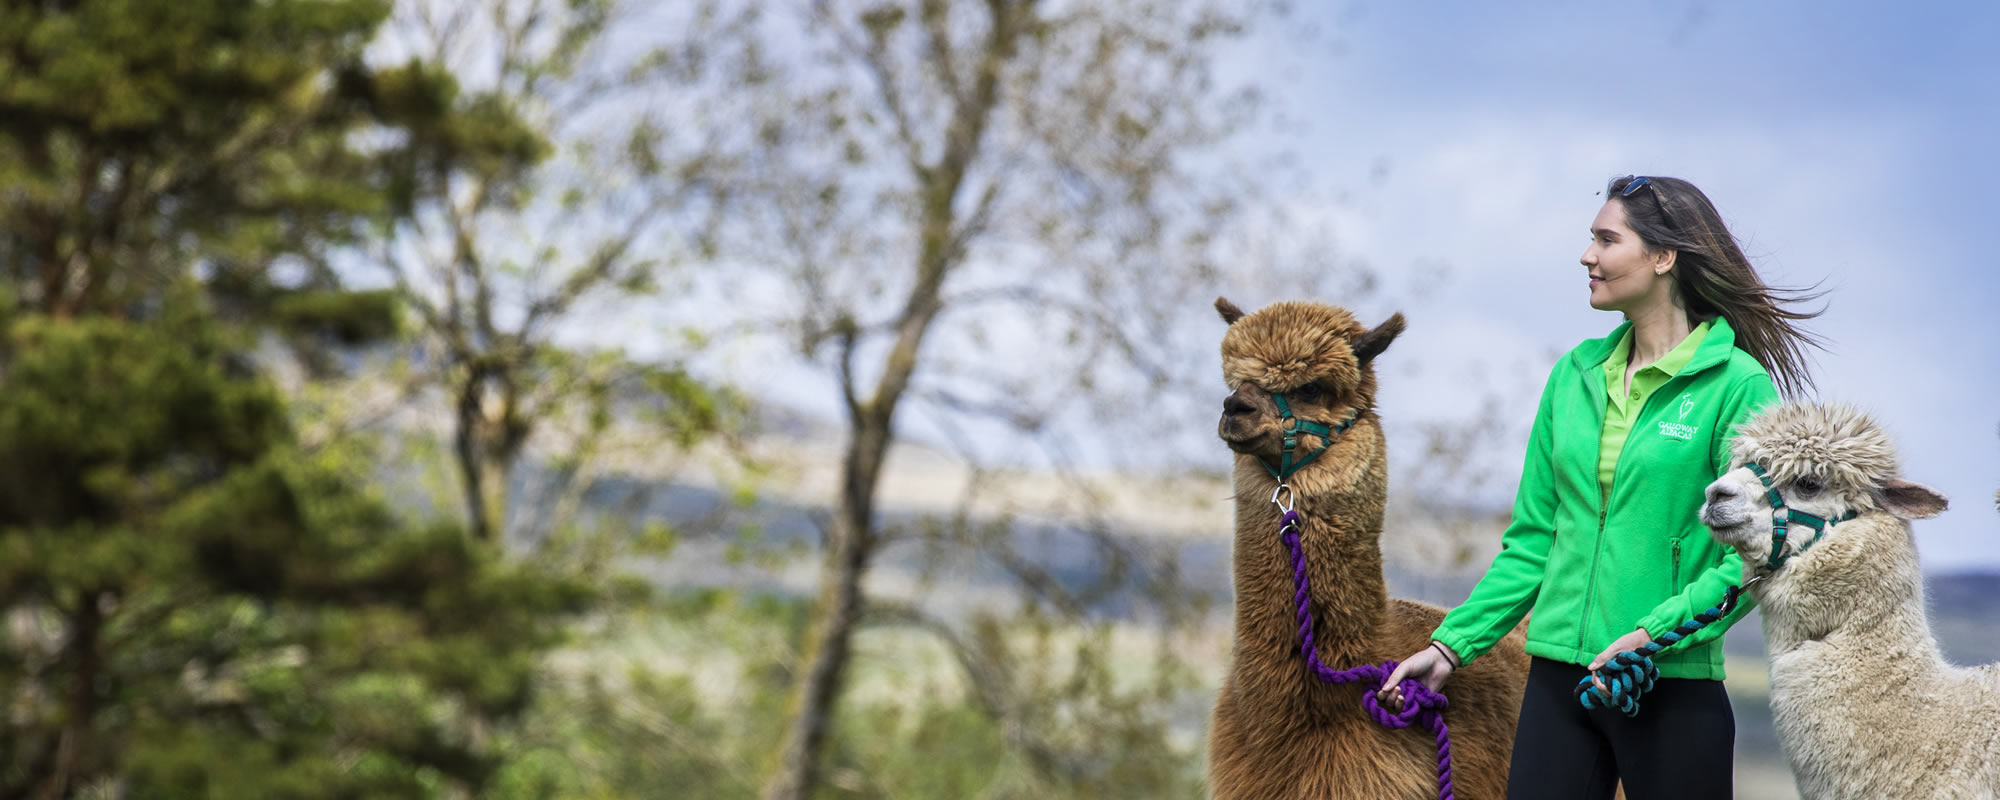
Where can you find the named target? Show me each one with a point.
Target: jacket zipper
(1597, 544)
(1604, 501)
(1677, 566)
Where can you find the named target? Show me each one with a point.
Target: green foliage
(481, 134)
(688, 410)
(144, 141)
(199, 607)
(619, 721)
(348, 318)
(100, 424)
(236, 619)
(606, 742)
(539, 192)
(203, 601)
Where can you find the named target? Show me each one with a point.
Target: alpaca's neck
(1900, 631)
(1878, 673)
(1885, 617)
(1341, 537)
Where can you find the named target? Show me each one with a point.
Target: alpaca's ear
(1371, 344)
(1911, 501)
(1230, 313)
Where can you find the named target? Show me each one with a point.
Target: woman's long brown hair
(1715, 279)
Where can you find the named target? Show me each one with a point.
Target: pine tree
(200, 610)
(196, 606)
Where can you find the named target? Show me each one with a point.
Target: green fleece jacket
(1592, 571)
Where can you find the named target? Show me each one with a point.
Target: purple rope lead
(1420, 704)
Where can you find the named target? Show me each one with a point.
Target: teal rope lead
(1632, 673)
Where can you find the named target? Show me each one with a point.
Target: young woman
(1604, 547)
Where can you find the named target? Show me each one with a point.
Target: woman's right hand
(1427, 666)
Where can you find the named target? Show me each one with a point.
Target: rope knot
(1420, 704)
(1628, 675)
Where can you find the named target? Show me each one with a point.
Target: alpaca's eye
(1310, 391)
(1808, 486)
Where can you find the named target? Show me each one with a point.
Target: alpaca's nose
(1234, 405)
(1720, 491)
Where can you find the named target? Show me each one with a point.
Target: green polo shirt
(1624, 406)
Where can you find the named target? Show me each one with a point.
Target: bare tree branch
(603, 267)
(874, 56)
(1005, 176)
(936, 15)
(490, 213)
(847, 334)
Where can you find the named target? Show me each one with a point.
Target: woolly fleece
(1277, 731)
(1864, 703)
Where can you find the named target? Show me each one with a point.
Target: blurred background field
(1962, 609)
(814, 398)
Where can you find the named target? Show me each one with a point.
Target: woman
(1604, 547)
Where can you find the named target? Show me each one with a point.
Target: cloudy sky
(1851, 143)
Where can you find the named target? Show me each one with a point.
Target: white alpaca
(1864, 703)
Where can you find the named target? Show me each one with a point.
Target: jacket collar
(1715, 348)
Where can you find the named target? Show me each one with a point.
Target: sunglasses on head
(1638, 181)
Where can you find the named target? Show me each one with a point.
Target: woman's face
(1624, 276)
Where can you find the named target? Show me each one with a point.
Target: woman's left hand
(1631, 641)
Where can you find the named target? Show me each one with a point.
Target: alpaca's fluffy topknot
(1835, 442)
(1288, 344)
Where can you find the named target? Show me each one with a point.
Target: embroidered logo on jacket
(1681, 430)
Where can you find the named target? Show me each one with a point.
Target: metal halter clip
(1291, 497)
(1734, 596)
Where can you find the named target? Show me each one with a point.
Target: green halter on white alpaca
(1781, 516)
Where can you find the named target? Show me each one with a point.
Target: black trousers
(1681, 745)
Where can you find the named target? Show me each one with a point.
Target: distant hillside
(1965, 613)
(1964, 607)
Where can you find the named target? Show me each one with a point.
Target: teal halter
(1782, 516)
(1295, 426)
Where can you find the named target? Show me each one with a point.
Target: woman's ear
(1663, 260)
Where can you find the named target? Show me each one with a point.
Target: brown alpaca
(1278, 731)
